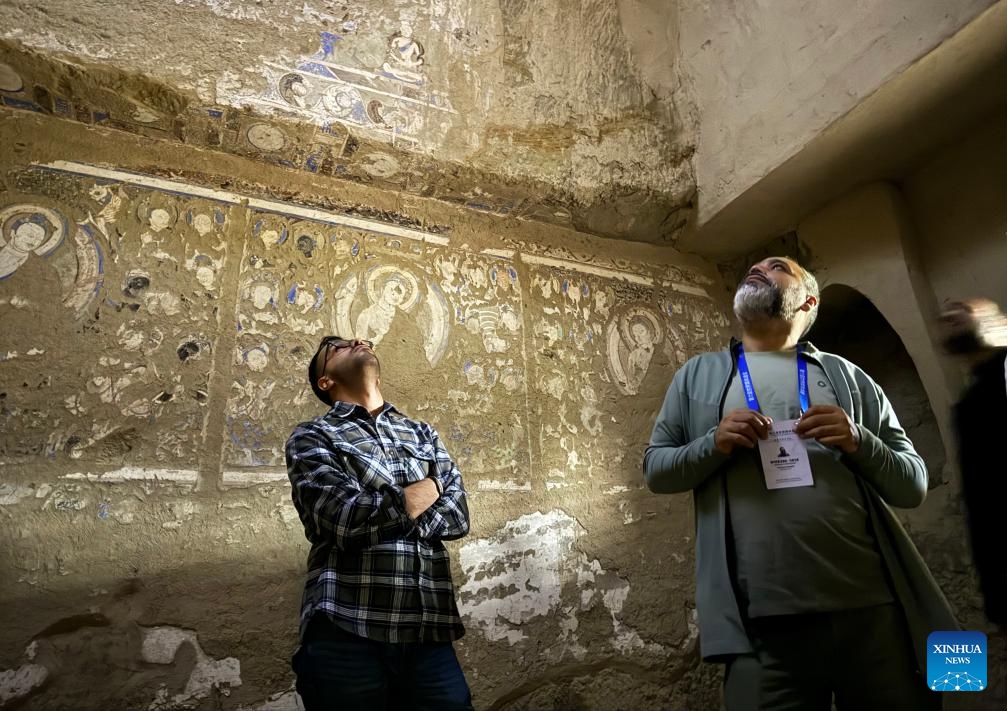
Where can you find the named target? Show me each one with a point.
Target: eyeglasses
(331, 344)
(337, 343)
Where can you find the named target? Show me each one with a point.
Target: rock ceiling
(562, 112)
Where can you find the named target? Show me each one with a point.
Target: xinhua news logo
(956, 661)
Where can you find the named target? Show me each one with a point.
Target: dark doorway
(849, 325)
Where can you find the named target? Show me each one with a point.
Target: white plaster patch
(531, 551)
(627, 513)
(519, 574)
(10, 494)
(18, 302)
(245, 477)
(286, 512)
(20, 683)
(160, 645)
(508, 485)
(180, 476)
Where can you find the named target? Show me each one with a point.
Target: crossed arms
(335, 506)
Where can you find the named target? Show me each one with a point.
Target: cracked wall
(155, 333)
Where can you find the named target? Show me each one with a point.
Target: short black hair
(313, 374)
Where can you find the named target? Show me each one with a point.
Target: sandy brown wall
(767, 78)
(958, 205)
(155, 326)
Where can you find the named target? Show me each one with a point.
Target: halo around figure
(379, 277)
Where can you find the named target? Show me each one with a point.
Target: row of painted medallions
(143, 274)
(321, 113)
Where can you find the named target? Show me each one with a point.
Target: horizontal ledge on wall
(118, 476)
(251, 478)
(506, 485)
(617, 271)
(502, 253)
(225, 196)
(688, 289)
(587, 268)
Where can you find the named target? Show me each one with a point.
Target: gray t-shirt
(800, 549)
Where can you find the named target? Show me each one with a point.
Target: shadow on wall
(162, 641)
(849, 325)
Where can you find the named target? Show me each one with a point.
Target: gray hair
(811, 287)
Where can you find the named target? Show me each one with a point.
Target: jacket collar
(807, 347)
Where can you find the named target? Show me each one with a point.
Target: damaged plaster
(520, 573)
(161, 645)
(180, 318)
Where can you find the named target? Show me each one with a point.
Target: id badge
(785, 461)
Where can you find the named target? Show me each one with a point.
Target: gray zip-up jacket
(682, 456)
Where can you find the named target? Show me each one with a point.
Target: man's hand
(420, 496)
(742, 427)
(830, 425)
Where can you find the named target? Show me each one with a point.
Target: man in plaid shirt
(377, 494)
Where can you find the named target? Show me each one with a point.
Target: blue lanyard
(746, 381)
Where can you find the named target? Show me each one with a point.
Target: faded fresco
(126, 283)
(170, 367)
(606, 346)
(351, 82)
(147, 280)
(446, 326)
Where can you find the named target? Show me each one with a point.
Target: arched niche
(851, 326)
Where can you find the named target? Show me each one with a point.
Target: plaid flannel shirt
(376, 572)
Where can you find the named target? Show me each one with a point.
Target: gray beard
(760, 302)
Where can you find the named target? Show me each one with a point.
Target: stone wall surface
(957, 202)
(763, 79)
(154, 336)
(562, 112)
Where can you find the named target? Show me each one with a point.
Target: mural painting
(631, 340)
(146, 276)
(448, 339)
(367, 98)
(178, 331)
(368, 304)
(283, 309)
(604, 345)
(354, 81)
(127, 288)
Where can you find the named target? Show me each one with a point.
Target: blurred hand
(420, 496)
(830, 425)
(741, 428)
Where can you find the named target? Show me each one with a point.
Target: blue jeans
(339, 671)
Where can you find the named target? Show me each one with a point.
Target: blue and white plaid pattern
(375, 571)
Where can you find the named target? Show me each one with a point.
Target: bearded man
(807, 587)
